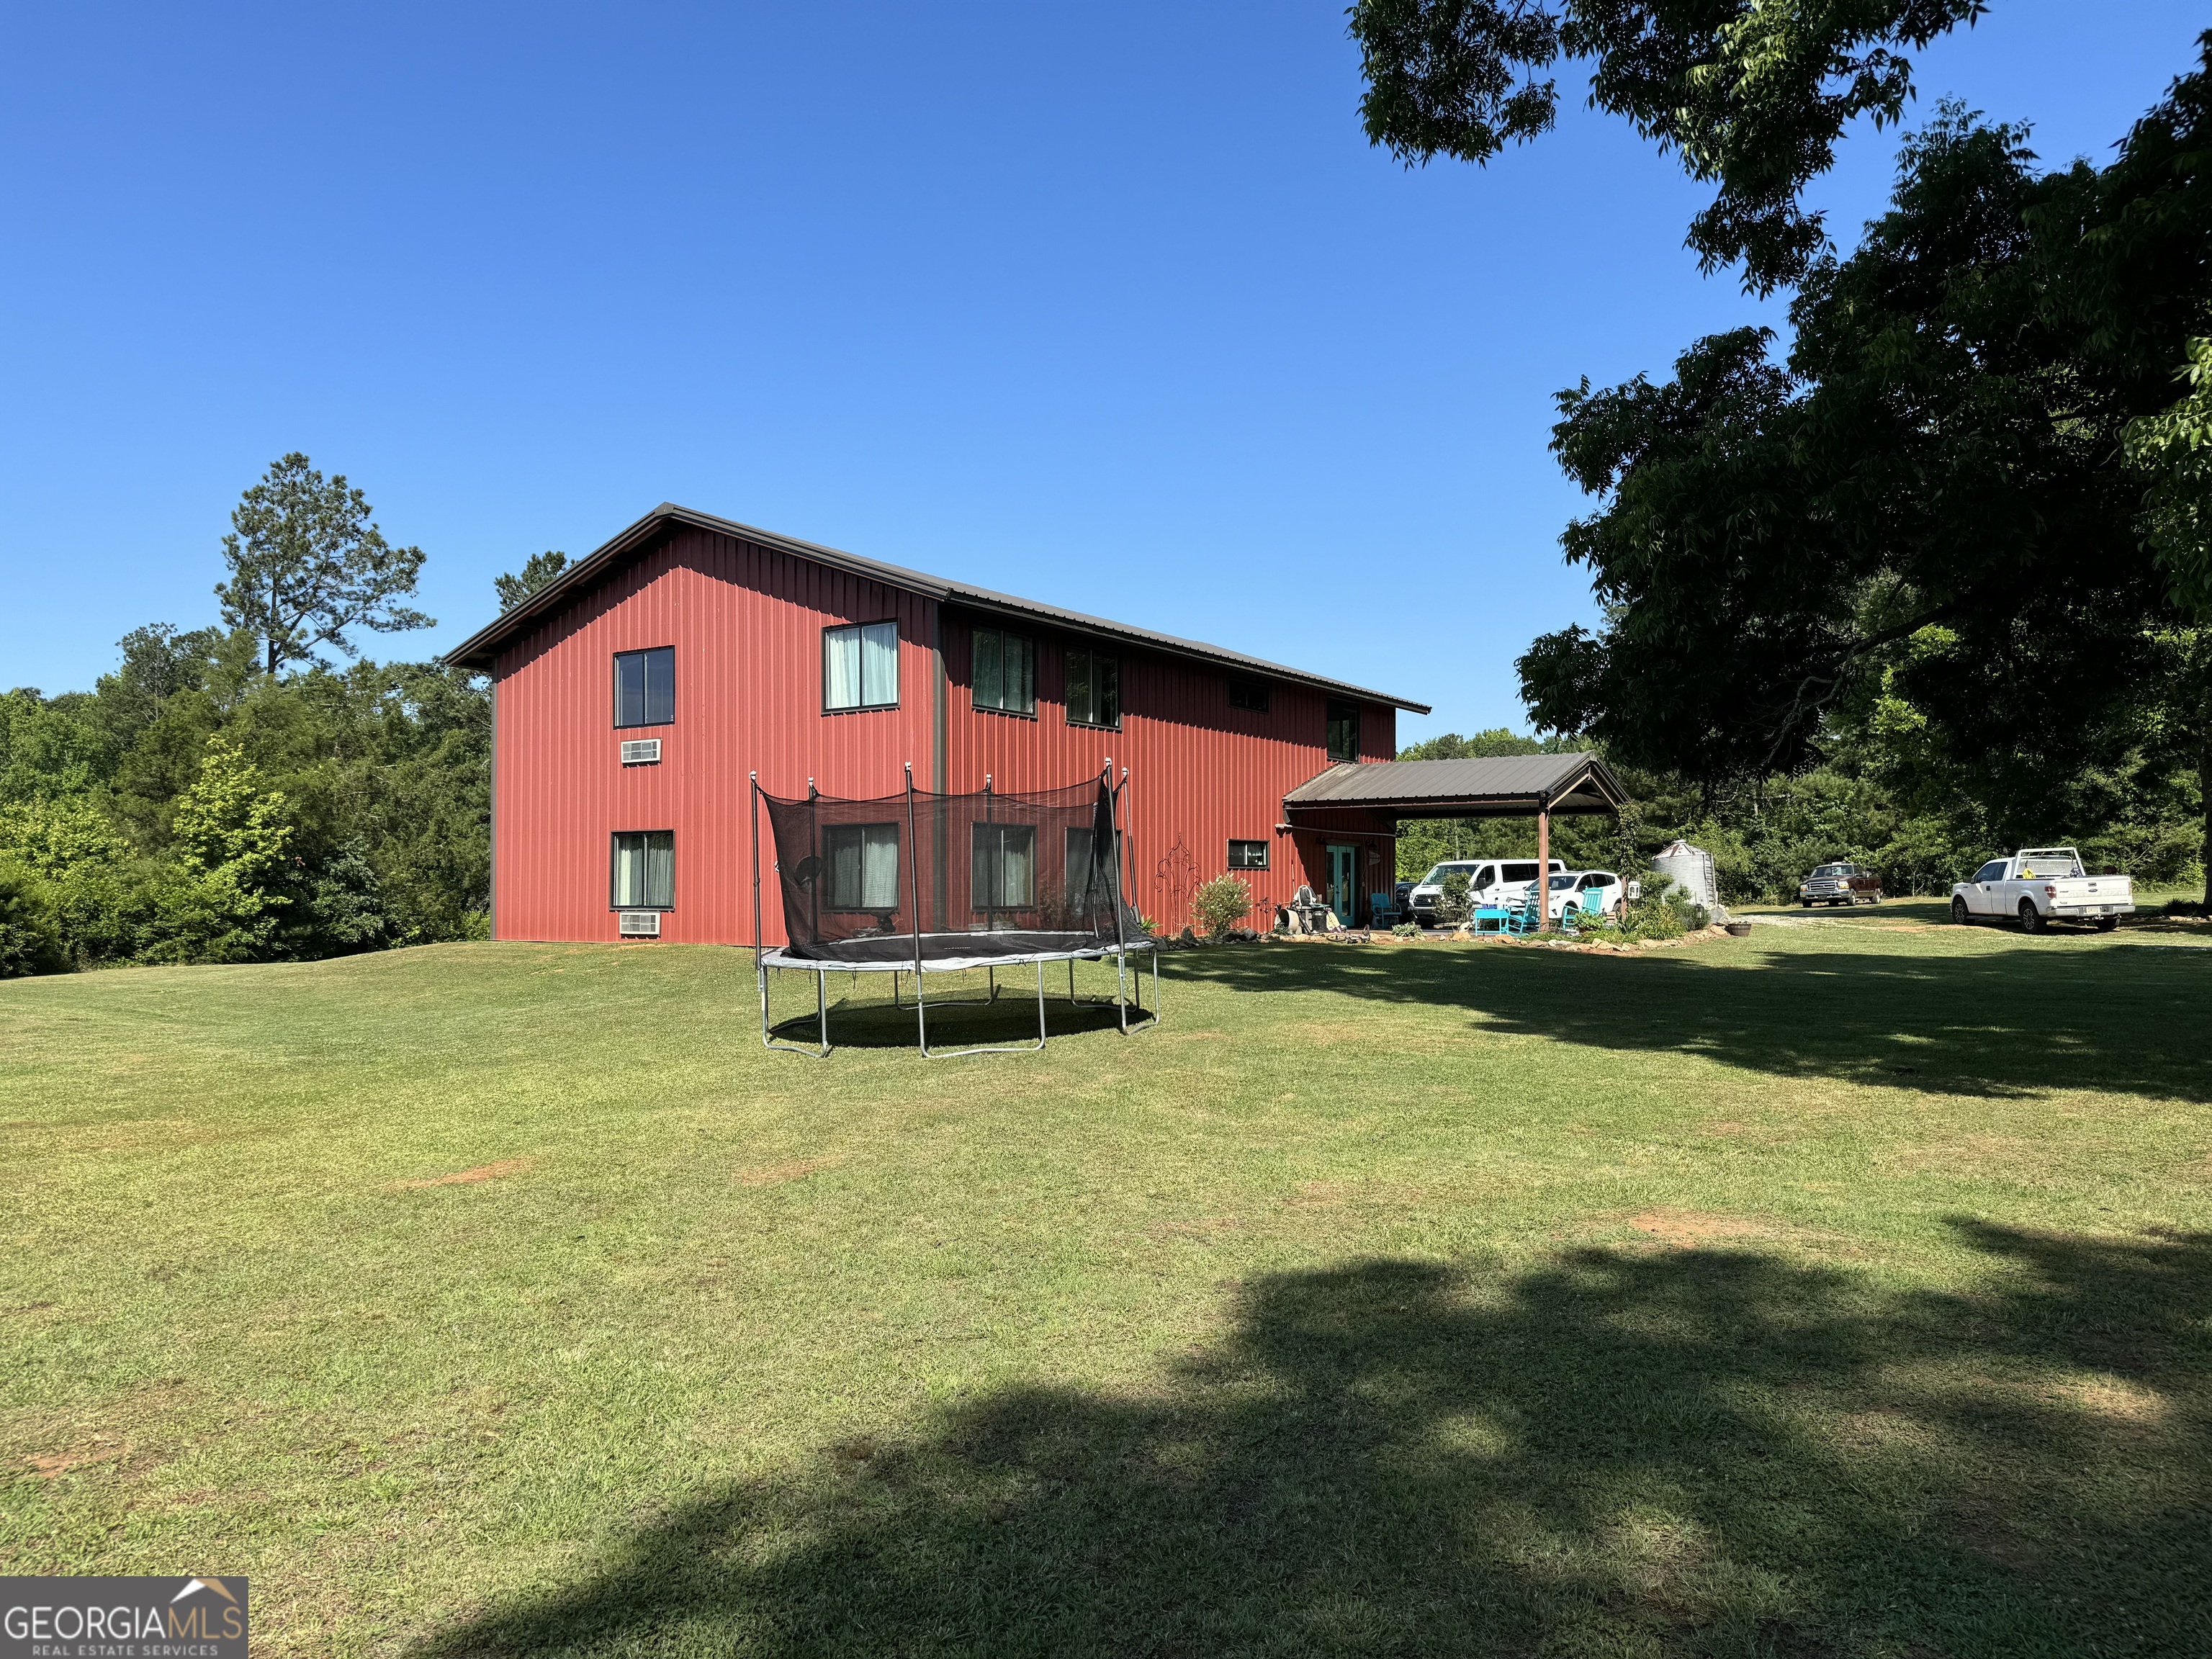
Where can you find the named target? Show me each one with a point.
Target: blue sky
(1113, 306)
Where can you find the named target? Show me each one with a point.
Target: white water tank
(1688, 867)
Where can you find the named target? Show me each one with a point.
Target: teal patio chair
(1382, 910)
(1528, 916)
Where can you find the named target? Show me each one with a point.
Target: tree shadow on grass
(2017, 1021)
(1701, 1452)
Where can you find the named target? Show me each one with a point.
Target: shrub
(1406, 930)
(29, 941)
(1454, 903)
(1665, 911)
(1219, 905)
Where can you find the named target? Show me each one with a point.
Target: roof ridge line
(594, 566)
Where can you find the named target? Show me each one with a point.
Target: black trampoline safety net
(919, 878)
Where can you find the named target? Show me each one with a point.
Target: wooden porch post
(1544, 863)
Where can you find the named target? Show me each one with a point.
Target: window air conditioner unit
(640, 924)
(642, 752)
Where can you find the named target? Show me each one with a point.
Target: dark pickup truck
(1840, 883)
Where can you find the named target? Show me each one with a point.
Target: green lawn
(1844, 1290)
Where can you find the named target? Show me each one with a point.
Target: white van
(1489, 881)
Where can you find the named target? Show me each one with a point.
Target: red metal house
(633, 697)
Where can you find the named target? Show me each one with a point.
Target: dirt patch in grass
(774, 1175)
(1687, 1229)
(47, 1466)
(506, 1166)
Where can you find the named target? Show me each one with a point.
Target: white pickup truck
(2039, 884)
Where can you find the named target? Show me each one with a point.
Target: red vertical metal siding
(746, 625)
(1201, 774)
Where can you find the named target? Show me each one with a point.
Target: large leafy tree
(1752, 94)
(307, 564)
(1933, 511)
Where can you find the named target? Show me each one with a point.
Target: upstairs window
(1094, 688)
(645, 687)
(1005, 671)
(863, 866)
(1002, 870)
(644, 875)
(1343, 731)
(859, 667)
(1247, 694)
(1247, 855)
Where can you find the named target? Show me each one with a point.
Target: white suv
(1489, 881)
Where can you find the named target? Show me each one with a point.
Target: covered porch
(1360, 800)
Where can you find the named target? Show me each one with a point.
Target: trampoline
(926, 885)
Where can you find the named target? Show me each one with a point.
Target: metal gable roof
(480, 648)
(1500, 786)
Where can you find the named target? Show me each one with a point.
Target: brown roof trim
(481, 648)
(1503, 785)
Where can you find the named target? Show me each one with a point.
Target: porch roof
(1504, 785)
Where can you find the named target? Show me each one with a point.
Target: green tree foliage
(307, 563)
(1752, 94)
(219, 901)
(191, 808)
(1924, 528)
(541, 569)
(1871, 800)
(2173, 450)
(30, 941)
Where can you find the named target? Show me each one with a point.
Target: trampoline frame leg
(1120, 968)
(921, 1023)
(821, 1015)
(1075, 1001)
(1119, 1001)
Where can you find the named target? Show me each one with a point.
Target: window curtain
(879, 663)
(841, 668)
(986, 674)
(660, 871)
(1081, 871)
(1002, 870)
(1005, 671)
(1094, 691)
(880, 866)
(1079, 687)
(645, 870)
(864, 866)
(1017, 866)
